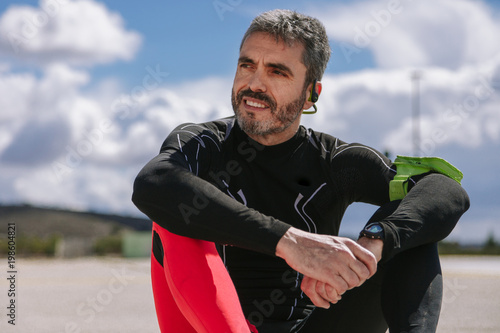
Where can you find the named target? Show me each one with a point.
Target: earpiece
(313, 97)
(314, 94)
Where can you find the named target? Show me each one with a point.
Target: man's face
(268, 91)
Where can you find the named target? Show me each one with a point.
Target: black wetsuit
(212, 182)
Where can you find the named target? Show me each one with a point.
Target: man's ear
(312, 96)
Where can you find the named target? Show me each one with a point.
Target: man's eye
(280, 73)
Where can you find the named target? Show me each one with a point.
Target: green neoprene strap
(413, 166)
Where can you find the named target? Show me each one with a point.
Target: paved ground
(471, 301)
(114, 295)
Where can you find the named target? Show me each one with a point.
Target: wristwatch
(373, 230)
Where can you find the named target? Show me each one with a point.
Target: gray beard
(281, 119)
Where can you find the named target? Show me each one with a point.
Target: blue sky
(198, 39)
(82, 108)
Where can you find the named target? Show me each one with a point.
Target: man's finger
(332, 294)
(327, 292)
(367, 261)
(341, 285)
(309, 287)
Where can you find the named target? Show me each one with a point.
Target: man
(272, 194)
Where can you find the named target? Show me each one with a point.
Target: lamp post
(416, 75)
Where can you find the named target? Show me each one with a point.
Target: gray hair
(289, 26)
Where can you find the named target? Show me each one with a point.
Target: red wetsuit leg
(170, 318)
(195, 286)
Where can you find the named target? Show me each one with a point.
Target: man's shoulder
(339, 149)
(324, 141)
(216, 129)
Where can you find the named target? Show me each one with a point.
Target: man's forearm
(427, 214)
(190, 206)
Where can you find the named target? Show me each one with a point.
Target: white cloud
(457, 107)
(75, 32)
(34, 124)
(447, 33)
(65, 146)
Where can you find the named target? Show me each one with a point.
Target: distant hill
(44, 222)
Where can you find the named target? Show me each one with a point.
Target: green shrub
(31, 245)
(108, 245)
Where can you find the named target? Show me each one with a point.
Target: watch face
(374, 228)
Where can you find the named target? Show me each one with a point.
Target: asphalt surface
(114, 295)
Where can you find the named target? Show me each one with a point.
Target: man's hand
(331, 265)
(320, 293)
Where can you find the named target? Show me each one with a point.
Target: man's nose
(257, 82)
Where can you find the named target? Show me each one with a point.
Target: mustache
(257, 95)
